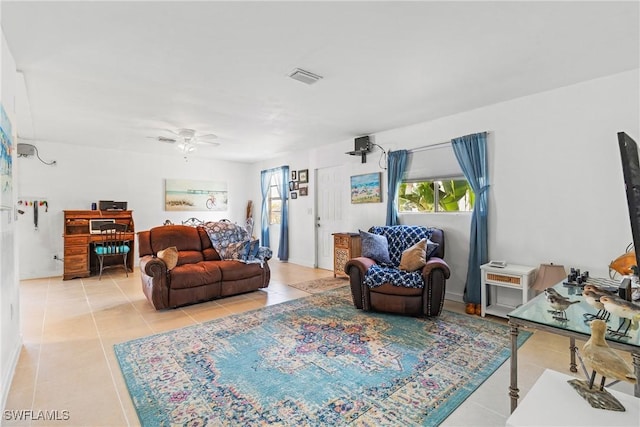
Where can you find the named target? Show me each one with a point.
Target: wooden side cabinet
(345, 247)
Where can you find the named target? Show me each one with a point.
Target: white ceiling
(111, 74)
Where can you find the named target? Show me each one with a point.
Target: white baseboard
(296, 261)
(454, 297)
(7, 377)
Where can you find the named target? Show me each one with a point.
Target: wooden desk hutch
(79, 259)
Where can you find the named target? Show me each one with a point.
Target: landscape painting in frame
(366, 188)
(192, 195)
(6, 162)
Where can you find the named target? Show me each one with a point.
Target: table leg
(513, 387)
(573, 349)
(636, 365)
(483, 299)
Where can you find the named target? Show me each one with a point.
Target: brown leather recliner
(426, 300)
(200, 273)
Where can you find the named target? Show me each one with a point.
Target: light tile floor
(67, 365)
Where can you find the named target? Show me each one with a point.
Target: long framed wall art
(192, 195)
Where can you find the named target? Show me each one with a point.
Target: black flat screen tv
(631, 172)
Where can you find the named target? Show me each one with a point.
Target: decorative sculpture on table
(559, 303)
(592, 296)
(624, 309)
(606, 362)
(625, 264)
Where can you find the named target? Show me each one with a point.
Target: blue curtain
(471, 152)
(265, 179)
(282, 178)
(396, 165)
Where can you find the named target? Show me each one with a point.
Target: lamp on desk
(548, 275)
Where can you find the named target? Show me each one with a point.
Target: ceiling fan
(187, 139)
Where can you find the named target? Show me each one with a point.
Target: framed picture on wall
(304, 191)
(193, 195)
(366, 188)
(292, 185)
(6, 175)
(303, 176)
(294, 176)
(294, 195)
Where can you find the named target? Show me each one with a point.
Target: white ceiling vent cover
(304, 76)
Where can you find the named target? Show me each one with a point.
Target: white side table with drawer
(513, 279)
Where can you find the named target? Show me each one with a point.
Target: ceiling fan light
(186, 147)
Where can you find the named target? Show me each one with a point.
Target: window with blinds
(434, 182)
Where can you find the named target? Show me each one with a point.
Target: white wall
(83, 175)
(557, 193)
(10, 339)
(556, 182)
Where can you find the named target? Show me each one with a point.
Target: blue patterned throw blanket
(233, 241)
(399, 238)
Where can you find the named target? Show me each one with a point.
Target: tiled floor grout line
(104, 351)
(124, 294)
(40, 344)
(195, 322)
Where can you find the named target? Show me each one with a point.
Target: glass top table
(536, 314)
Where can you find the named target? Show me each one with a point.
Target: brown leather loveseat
(200, 273)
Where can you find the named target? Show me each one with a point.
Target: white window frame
(436, 199)
(273, 187)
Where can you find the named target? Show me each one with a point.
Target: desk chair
(113, 243)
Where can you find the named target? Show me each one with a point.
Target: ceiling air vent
(304, 76)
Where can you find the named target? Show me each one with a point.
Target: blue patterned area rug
(314, 361)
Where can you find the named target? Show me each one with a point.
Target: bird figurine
(624, 309)
(602, 359)
(592, 296)
(559, 303)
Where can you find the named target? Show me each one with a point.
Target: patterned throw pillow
(235, 250)
(375, 247)
(243, 250)
(431, 248)
(414, 257)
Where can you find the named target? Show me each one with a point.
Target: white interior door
(331, 189)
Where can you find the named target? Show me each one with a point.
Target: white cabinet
(503, 289)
